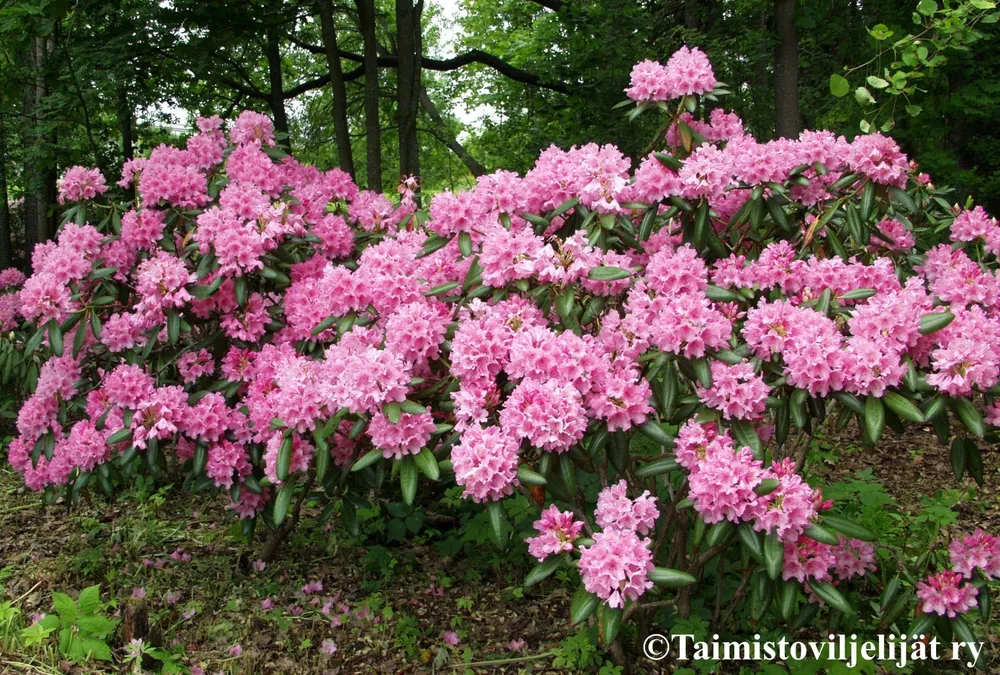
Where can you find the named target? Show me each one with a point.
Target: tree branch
(474, 167)
(554, 5)
(444, 65)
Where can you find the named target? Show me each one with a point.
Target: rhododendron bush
(636, 346)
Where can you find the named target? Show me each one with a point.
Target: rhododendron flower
(789, 509)
(806, 558)
(485, 463)
(945, 594)
(407, 436)
(722, 486)
(11, 277)
(80, 184)
(616, 565)
(854, 558)
(550, 416)
(616, 511)
(736, 391)
(557, 530)
(879, 158)
(977, 551)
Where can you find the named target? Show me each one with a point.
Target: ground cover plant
(631, 363)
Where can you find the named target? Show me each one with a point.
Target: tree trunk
(125, 115)
(409, 51)
(340, 128)
(38, 175)
(787, 122)
(373, 129)
(474, 167)
(276, 97)
(6, 254)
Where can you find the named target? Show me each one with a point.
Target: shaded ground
(386, 608)
(386, 611)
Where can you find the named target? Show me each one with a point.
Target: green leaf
(370, 458)
(921, 625)
(565, 304)
(821, 534)
(89, 601)
(465, 244)
(657, 467)
(324, 324)
(839, 86)
(94, 649)
(774, 555)
(931, 323)
(284, 458)
(605, 273)
(392, 411)
(652, 430)
(787, 595)
(428, 464)
(529, 477)
(927, 7)
(874, 418)
(962, 630)
(322, 458)
(543, 570)
(767, 486)
(746, 436)
(408, 475)
(611, 623)
(65, 608)
(498, 523)
(443, 289)
(97, 626)
(282, 501)
(877, 82)
(913, 110)
(564, 207)
(975, 461)
(173, 326)
(831, 596)
(752, 540)
(970, 416)
(670, 578)
(848, 527)
(959, 457)
(412, 407)
(120, 436)
(858, 294)
(583, 605)
(903, 407)
(55, 337)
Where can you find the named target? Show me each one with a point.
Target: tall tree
(340, 125)
(6, 252)
(787, 119)
(373, 128)
(276, 95)
(409, 51)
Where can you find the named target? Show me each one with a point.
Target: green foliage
(81, 627)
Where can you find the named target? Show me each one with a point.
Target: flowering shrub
(631, 348)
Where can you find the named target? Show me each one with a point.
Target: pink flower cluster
(977, 551)
(80, 184)
(687, 72)
(616, 567)
(946, 594)
(557, 530)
